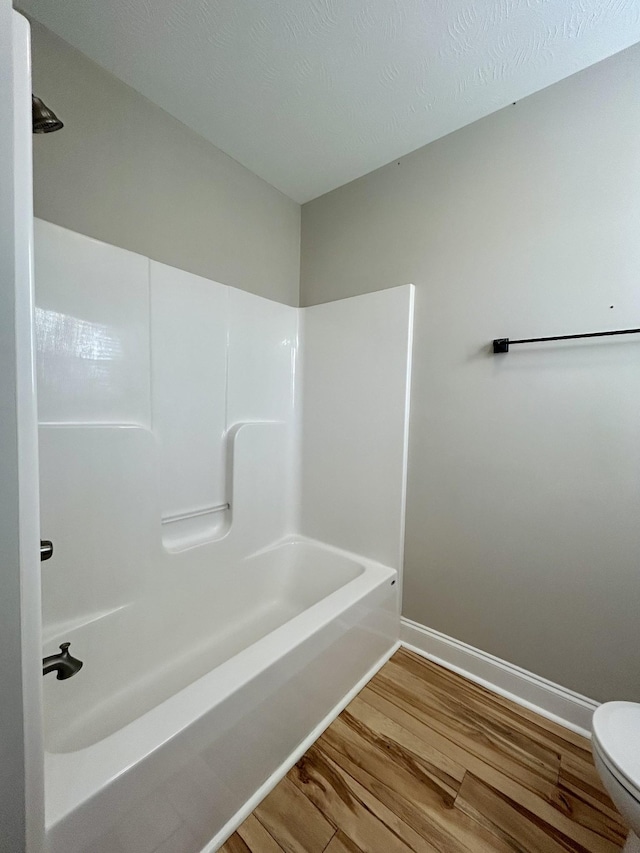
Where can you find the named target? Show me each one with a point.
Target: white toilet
(616, 751)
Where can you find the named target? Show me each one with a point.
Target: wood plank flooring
(424, 760)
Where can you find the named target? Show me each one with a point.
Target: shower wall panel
(97, 495)
(189, 327)
(262, 351)
(161, 395)
(175, 437)
(92, 330)
(356, 372)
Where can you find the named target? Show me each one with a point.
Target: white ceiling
(310, 94)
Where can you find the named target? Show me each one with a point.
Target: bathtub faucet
(64, 664)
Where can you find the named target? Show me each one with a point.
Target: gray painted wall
(124, 171)
(524, 470)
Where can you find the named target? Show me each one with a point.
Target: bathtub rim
(86, 771)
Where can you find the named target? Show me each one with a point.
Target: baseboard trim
(552, 701)
(230, 827)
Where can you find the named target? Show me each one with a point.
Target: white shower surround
(214, 638)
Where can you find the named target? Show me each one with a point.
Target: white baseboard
(240, 816)
(557, 703)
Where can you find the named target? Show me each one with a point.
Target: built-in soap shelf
(188, 529)
(191, 528)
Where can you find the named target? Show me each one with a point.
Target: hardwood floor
(424, 760)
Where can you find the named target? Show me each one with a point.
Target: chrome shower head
(43, 119)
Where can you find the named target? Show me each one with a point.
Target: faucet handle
(64, 648)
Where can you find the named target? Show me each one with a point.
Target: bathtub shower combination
(223, 479)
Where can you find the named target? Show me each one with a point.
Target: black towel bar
(503, 344)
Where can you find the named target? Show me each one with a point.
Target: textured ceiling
(310, 94)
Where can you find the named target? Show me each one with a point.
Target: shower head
(43, 119)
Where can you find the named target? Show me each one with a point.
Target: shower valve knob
(46, 549)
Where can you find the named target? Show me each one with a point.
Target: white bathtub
(189, 706)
